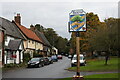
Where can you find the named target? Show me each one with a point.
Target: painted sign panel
(77, 21)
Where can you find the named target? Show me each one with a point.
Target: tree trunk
(106, 60)
(107, 57)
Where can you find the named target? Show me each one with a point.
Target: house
(11, 33)
(31, 43)
(16, 48)
(1, 44)
(54, 51)
(46, 45)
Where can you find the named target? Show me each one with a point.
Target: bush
(37, 55)
(12, 65)
(9, 65)
(26, 57)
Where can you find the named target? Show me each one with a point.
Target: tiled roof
(16, 44)
(28, 33)
(43, 38)
(10, 28)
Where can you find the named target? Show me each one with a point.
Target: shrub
(37, 55)
(26, 57)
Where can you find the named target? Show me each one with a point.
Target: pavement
(52, 71)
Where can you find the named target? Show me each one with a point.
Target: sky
(55, 14)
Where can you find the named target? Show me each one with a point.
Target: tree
(92, 21)
(105, 38)
(55, 40)
(39, 27)
(51, 35)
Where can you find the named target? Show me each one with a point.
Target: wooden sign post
(77, 24)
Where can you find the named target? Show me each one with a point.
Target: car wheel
(42, 65)
(28, 67)
(51, 62)
(72, 65)
(39, 65)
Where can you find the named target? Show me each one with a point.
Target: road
(55, 70)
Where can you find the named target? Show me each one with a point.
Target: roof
(10, 28)
(16, 44)
(42, 37)
(28, 33)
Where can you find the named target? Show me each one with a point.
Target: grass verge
(108, 76)
(98, 65)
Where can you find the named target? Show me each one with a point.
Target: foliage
(39, 27)
(92, 22)
(105, 38)
(26, 57)
(12, 65)
(53, 38)
(37, 55)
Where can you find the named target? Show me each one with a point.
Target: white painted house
(12, 35)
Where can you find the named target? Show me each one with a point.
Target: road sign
(77, 21)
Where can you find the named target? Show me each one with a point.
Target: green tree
(92, 21)
(39, 27)
(105, 38)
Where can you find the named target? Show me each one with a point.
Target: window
(6, 38)
(29, 41)
(36, 43)
(32, 42)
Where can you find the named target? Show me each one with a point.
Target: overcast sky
(55, 14)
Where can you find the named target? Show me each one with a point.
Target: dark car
(54, 58)
(36, 62)
(59, 56)
(50, 60)
(46, 61)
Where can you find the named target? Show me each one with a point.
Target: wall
(0, 48)
(7, 39)
(31, 44)
(39, 46)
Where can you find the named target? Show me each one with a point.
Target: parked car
(50, 60)
(74, 60)
(54, 58)
(46, 61)
(59, 56)
(70, 56)
(66, 55)
(36, 62)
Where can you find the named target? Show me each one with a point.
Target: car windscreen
(35, 59)
(53, 57)
(75, 58)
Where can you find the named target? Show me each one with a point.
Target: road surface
(55, 70)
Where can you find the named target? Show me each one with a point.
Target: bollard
(76, 77)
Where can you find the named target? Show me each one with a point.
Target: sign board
(77, 21)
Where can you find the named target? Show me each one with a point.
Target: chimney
(18, 19)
